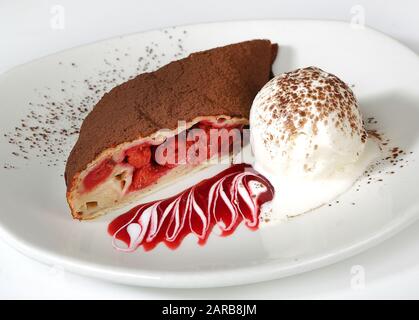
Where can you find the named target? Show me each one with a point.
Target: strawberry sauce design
(232, 196)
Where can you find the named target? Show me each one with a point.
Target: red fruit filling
(146, 176)
(150, 162)
(98, 174)
(138, 156)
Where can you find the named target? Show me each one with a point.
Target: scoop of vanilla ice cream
(305, 124)
(308, 139)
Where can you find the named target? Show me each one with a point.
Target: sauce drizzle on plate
(230, 197)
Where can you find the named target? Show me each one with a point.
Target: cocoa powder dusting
(48, 130)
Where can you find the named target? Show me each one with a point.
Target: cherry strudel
(137, 138)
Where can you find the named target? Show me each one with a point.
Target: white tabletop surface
(390, 270)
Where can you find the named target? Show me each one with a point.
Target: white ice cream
(308, 139)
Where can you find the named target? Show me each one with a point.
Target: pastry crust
(207, 85)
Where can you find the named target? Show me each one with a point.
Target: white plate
(35, 218)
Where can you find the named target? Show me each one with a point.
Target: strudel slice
(162, 125)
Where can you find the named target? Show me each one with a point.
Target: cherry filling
(99, 174)
(194, 146)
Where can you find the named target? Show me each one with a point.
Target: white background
(391, 269)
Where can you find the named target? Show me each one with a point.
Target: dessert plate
(43, 103)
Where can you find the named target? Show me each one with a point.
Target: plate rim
(206, 279)
(296, 20)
